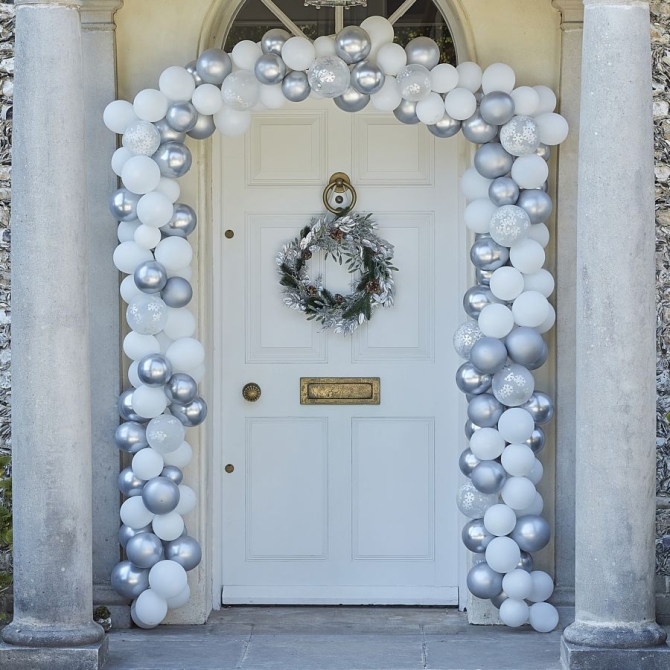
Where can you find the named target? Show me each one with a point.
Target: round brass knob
(229, 468)
(251, 392)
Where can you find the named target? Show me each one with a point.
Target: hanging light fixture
(336, 3)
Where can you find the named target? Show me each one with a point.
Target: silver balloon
(405, 112)
(474, 503)
(467, 462)
(191, 414)
(537, 440)
(487, 254)
(270, 69)
(489, 477)
(497, 107)
(352, 44)
(475, 299)
(541, 360)
(273, 41)
(128, 580)
(541, 407)
(488, 355)
(525, 562)
(182, 116)
(423, 51)
(130, 437)
(181, 388)
(144, 550)
(295, 86)
(184, 550)
(123, 204)
(492, 161)
(537, 203)
(465, 336)
(471, 380)
(446, 127)
(544, 151)
(351, 100)
(183, 221)
(470, 428)
(129, 484)
(192, 69)
(524, 345)
(213, 66)
(483, 581)
(150, 277)
(498, 600)
(154, 370)
(125, 407)
(503, 191)
(485, 410)
(476, 130)
(169, 134)
(475, 536)
(513, 385)
(367, 77)
(173, 473)
(483, 277)
(177, 292)
(204, 127)
(160, 495)
(126, 532)
(174, 159)
(531, 532)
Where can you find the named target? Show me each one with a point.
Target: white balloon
(540, 233)
(186, 273)
(547, 100)
(496, 320)
(486, 444)
(541, 281)
(150, 105)
(187, 500)
(478, 213)
(163, 340)
(527, 256)
(503, 554)
(530, 171)
(174, 253)
(149, 402)
(324, 46)
(518, 492)
(176, 83)
(543, 617)
(391, 58)
(516, 584)
(516, 425)
(180, 458)
(245, 54)
(125, 231)
(147, 236)
(473, 185)
(147, 463)
(272, 96)
(469, 76)
(231, 122)
(536, 472)
(167, 578)
(535, 507)
(169, 188)
(543, 586)
(140, 174)
(137, 346)
(118, 115)
(430, 110)
(388, 97)
(460, 103)
(549, 322)
(150, 608)
(128, 255)
(185, 354)
(207, 99)
(168, 527)
(498, 77)
(530, 309)
(179, 600)
(499, 520)
(134, 513)
(119, 158)
(506, 283)
(298, 53)
(514, 613)
(154, 209)
(445, 78)
(518, 460)
(180, 323)
(380, 31)
(198, 374)
(526, 100)
(552, 128)
(134, 380)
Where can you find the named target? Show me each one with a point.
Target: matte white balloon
(134, 513)
(444, 77)
(169, 188)
(543, 586)
(536, 473)
(535, 507)
(185, 354)
(137, 346)
(552, 128)
(541, 281)
(499, 520)
(518, 459)
(181, 457)
(147, 463)
(392, 58)
(232, 122)
(498, 77)
(128, 289)
(543, 617)
(272, 96)
(324, 46)
(549, 322)
(150, 105)
(147, 236)
(469, 76)
(167, 578)
(487, 444)
(149, 608)
(530, 309)
(119, 158)
(516, 425)
(547, 100)
(179, 600)
(140, 174)
(518, 492)
(389, 97)
(149, 402)
(430, 110)
(207, 99)
(474, 186)
(174, 253)
(177, 84)
(154, 209)
(128, 255)
(526, 100)
(180, 323)
(478, 213)
(187, 500)
(245, 54)
(506, 283)
(496, 320)
(540, 233)
(530, 171)
(527, 256)
(460, 103)
(298, 53)
(514, 613)
(168, 526)
(516, 584)
(119, 114)
(380, 31)
(503, 554)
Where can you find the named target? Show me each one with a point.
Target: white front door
(337, 503)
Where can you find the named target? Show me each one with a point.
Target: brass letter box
(339, 390)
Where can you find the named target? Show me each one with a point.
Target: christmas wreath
(349, 239)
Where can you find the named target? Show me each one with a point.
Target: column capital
(572, 11)
(48, 3)
(99, 14)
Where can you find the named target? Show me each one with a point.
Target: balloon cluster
(503, 343)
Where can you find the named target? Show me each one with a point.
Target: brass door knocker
(339, 184)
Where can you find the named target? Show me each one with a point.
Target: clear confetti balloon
(329, 76)
(519, 136)
(165, 433)
(465, 336)
(240, 90)
(472, 502)
(414, 82)
(513, 385)
(146, 314)
(142, 138)
(509, 224)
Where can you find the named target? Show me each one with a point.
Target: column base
(578, 657)
(91, 657)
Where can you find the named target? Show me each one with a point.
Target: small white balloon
(207, 99)
(547, 100)
(125, 231)
(232, 122)
(541, 281)
(503, 554)
(118, 115)
(543, 586)
(298, 53)
(137, 346)
(514, 613)
(549, 322)
(380, 31)
(460, 103)
(516, 425)
(391, 58)
(187, 500)
(181, 457)
(150, 105)
(167, 578)
(149, 402)
(272, 96)
(540, 233)
(169, 188)
(469, 76)
(177, 84)
(180, 323)
(527, 256)
(530, 171)
(474, 186)
(506, 283)
(147, 464)
(430, 110)
(535, 507)
(518, 459)
(526, 100)
(179, 600)
(487, 444)
(536, 473)
(140, 174)
(324, 46)
(445, 78)
(168, 527)
(245, 54)
(134, 380)
(496, 320)
(185, 354)
(543, 617)
(154, 209)
(552, 128)
(516, 584)
(119, 158)
(499, 520)
(134, 513)
(128, 255)
(498, 77)
(518, 492)
(150, 608)
(388, 97)
(478, 213)
(530, 309)
(147, 236)
(174, 253)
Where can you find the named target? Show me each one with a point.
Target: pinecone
(339, 298)
(337, 234)
(306, 254)
(373, 287)
(312, 290)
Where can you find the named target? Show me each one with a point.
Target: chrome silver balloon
(467, 462)
(470, 428)
(537, 440)
(541, 360)
(483, 277)
(352, 44)
(488, 355)
(144, 550)
(544, 151)
(537, 204)
(193, 71)
(485, 410)
(498, 600)
(483, 581)
(367, 77)
(181, 388)
(475, 299)
(531, 532)
(173, 473)
(446, 127)
(183, 221)
(478, 131)
(487, 254)
(273, 41)
(492, 161)
(128, 580)
(524, 345)
(496, 108)
(125, 407)
(525, 562)
(541, 407)
(154, 370)
(184, 550)
(191, 414)
(471, 380)
(270, 69)
(130, 437)
(129, 484)
(160, 495)
(169, 134)
(150, 277)
(503, 191)
(182, 116)
(213, 66)
(423, 51)
(174, 159)
(351, 100)
(126, 532)
(204, 127)
(295, 86)
(405, 112)
(177, 292)
(123, 204)
(488, 477)
(475, 536)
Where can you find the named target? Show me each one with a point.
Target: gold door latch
(251, 392)
(339, 184)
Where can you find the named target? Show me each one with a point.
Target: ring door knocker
(339, 184)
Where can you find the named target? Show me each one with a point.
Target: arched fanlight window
(410, 19)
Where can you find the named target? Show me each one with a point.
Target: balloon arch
(508, 308)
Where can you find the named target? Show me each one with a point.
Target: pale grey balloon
(154, 370)
(470, 428)
(496, 107)
(475, 299)
(144, 550)
(126, 532)
(531, 533)
(483, 277)
(541, 360)
(485, 410)
(125, 407)
(204, 127)
(183, 221)
(483, 581)
(192, 414)
(169, 134)
(488, 355)
(465, 336)
(150, 277)
(129, 484)
(295, 86)
(544, 151)
(498, 600)
(182, 116)
(367, 77)
(123, 204)
(405, 112)
(475, 536)
(130, 437)
(489, 477)
(128, 580)
(160, 495)
(486, 254)
(273, 41)
(471, 380)
(177, 292)
(173, 473)
(184, 550)
(174, 159)
(351, 100)
(445, 127)
(536, 203)
(213, 66)
(192, 69)
(352, 44)
(181, 388)
(270, 69)
(423, 51)
(503, 191)
(537, 440)
(525, 562)
(541, 407)
(492, 161)
(467, 462)
(513, 385)
(478, 131)
(524, 345)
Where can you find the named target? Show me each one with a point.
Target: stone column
(615, 380)
(52, 625)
